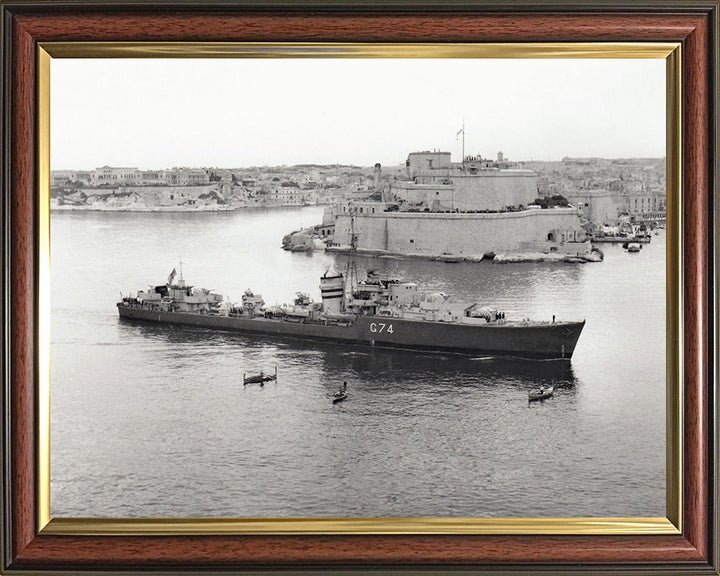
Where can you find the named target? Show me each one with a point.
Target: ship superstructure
(177, 297)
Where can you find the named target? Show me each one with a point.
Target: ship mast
(181, 282)
(351, 273)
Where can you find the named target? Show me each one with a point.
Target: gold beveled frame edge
(43, 318)
(356, 50)
(673, 279)
(354, 526)
(287, 526)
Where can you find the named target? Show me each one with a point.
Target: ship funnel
(332, 289)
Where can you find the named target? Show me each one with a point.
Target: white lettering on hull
(380, 327)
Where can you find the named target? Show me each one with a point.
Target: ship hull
(542, 340)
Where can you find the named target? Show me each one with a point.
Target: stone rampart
(435, 234)
(491, 190)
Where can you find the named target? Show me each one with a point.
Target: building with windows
(152, 177)
(187, 176)
(117, 176)
(644, 203)
(60, 177)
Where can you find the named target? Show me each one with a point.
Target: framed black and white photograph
(333, 299)
(347, 303)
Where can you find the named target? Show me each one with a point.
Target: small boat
(541, 393)
(259, 378)
(634, 247)
(341, 394)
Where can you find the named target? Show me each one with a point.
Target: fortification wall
(598, 206)
(483, 191)
(430, 234)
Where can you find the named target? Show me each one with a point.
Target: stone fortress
(466, 210)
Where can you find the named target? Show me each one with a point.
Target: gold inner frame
(671, 524)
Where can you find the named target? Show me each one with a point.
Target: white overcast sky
(160, 113)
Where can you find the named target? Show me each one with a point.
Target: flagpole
(462, 160)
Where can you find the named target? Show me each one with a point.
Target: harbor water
(154, 421)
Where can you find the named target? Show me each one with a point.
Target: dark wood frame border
(693, 23)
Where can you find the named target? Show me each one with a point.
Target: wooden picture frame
(31, 545)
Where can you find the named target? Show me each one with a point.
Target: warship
(376, 311)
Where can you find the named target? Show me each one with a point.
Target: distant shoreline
(54, 207)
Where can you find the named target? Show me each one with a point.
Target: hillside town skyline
(601, 188)
(181, 166)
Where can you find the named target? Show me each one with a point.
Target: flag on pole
(459, 132)
(172, 276)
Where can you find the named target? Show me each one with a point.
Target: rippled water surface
(155, 421)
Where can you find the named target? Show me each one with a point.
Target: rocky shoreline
(141, 207)
(504, 258)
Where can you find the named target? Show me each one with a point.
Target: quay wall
(432, 234)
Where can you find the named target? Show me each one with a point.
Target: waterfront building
(152, 177)
(114, 175)
(290, 196)
(644, 204)
(60, 177)
(187, 176)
